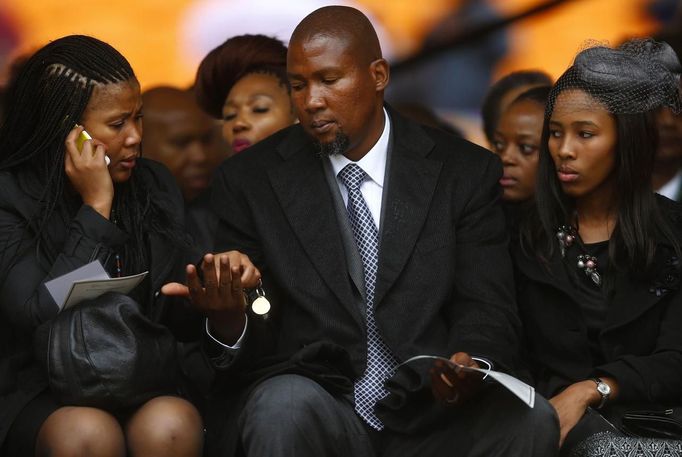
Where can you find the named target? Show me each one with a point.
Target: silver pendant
(261, 305)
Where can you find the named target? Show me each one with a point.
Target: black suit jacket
(444, 280)
(642, 337)
(25, 303)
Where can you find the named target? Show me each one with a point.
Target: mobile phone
(82, 138)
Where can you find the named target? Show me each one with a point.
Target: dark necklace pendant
(566, 236)
(588, 264)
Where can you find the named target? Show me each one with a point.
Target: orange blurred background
(165, 40)
(152, 33)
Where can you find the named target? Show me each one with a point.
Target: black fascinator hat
(638, 76)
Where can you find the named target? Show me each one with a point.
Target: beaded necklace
(117, 258)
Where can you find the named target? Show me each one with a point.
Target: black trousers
(291, 415)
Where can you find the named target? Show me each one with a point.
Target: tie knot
(352, 176)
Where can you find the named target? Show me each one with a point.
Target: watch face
(603, 388)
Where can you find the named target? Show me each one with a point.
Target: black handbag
(105, 353)
(666, 424)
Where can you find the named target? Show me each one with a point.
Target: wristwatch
(604, 390)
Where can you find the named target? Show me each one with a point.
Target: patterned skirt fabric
(608, 444)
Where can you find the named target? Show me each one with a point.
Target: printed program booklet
(519, 388)
(88, 282)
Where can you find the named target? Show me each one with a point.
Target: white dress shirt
(374, 164)
(672, 188)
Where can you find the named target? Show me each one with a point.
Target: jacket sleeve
(24, 300)
(656, 377)
(236, 232)
(484, 320)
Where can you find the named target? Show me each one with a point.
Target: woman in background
(244, 82)
(503, 92)
(517, 142)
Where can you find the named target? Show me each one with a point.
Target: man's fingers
(194, 285)
(236, 289)
(443, 388)
(250, 276)
(224, 270)
(175, 289)
(210, 278)
(225, 290)
(462, 358)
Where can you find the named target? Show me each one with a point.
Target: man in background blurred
(180, 135)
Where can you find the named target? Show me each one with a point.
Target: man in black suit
(377, 240)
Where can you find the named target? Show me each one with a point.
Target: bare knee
(78, 431)
(167, 426)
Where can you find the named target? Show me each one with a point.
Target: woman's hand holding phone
(87, 171)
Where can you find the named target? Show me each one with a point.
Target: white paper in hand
(60, 286)
(88, 289)
(519, 388)
(87, 282)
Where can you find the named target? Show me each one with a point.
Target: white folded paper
(519, 388)
(88, 282)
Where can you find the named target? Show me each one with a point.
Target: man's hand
(221, 297)
(452, 385)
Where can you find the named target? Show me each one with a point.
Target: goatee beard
(336, 147)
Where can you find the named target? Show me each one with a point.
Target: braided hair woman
(63, 206)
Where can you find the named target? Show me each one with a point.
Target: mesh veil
(639, 76)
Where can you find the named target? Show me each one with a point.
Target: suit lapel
(411, 181)
(304, 195)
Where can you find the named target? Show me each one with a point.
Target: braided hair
(44, 102)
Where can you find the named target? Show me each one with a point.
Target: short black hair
(491, 111)
(539, 95)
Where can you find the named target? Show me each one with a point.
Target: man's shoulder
(455, 147)
(444, 146)
(266, 153)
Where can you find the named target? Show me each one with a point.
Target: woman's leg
(73, 431)
(165, 426)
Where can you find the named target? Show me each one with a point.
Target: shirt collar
(672, 187)
(374, 162)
